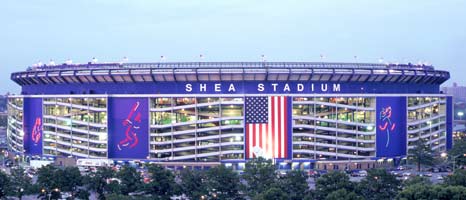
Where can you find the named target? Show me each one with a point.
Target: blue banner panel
(128, 131)
(449, 122)
(32, 126)
(391, 139)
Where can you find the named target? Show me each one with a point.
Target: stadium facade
(301, 114)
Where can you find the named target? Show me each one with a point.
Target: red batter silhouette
(132, 124)
(36, 132)
(388, 126)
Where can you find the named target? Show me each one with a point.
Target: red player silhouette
(132, 123)
(388, 126)
(36, 132)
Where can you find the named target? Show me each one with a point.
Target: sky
(428, 31)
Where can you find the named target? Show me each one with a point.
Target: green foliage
(418, 191)
(97, 181)
(332, 181)
(450, 192)
(118, 197)
(379, 184)
(294, 185)
(193, 183)
(70, 178)
(260, 175)
(343, 194)
(458, 178)
(272, 193)
(4, 184)
(458, 151)
(51, 178)
(46, 177)
(131, 180)
(83, 194)
(421, 154)
(125, 197)
(20, 181)
(223, 183)
(416, 180)
(162, 184)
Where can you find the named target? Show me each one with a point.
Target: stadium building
(301, 114)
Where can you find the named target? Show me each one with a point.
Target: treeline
(258, 181)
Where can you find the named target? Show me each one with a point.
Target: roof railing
(244, 65)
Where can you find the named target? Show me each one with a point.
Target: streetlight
(443, 155)
(21, 190)
(460, 114)
(454, 160)
(46, 194)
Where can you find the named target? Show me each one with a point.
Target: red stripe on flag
(272, 134)
(253, 137)
(273, 127)
(247, 141)
(286, 126)
(277, 112)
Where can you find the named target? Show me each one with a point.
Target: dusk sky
(236, 30)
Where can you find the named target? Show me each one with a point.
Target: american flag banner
(267, 126)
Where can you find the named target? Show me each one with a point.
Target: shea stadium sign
(233, 87)
(263, 87)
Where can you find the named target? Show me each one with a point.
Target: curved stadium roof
(229, 71)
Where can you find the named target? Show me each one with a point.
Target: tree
(294, 184)
(131, 180)
(82, 194)
(458, 178)
(379, 184)
(98, 181)
(4, 184)
(53, 181)
(416, 180)
(274, 192)
(260, 175)
(343, 194)
(193, 183)
(421, 154)
(20, 183)
(223, 183)
(162, 183)
(70, 178)
(450, 192)
(47, 178)
(457, 152)
(118, 197)
(113, 187)
(418, 191)
(332, 181)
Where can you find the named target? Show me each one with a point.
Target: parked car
(428, 174)
(354, 173)
(362, 173)
(407, 174)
